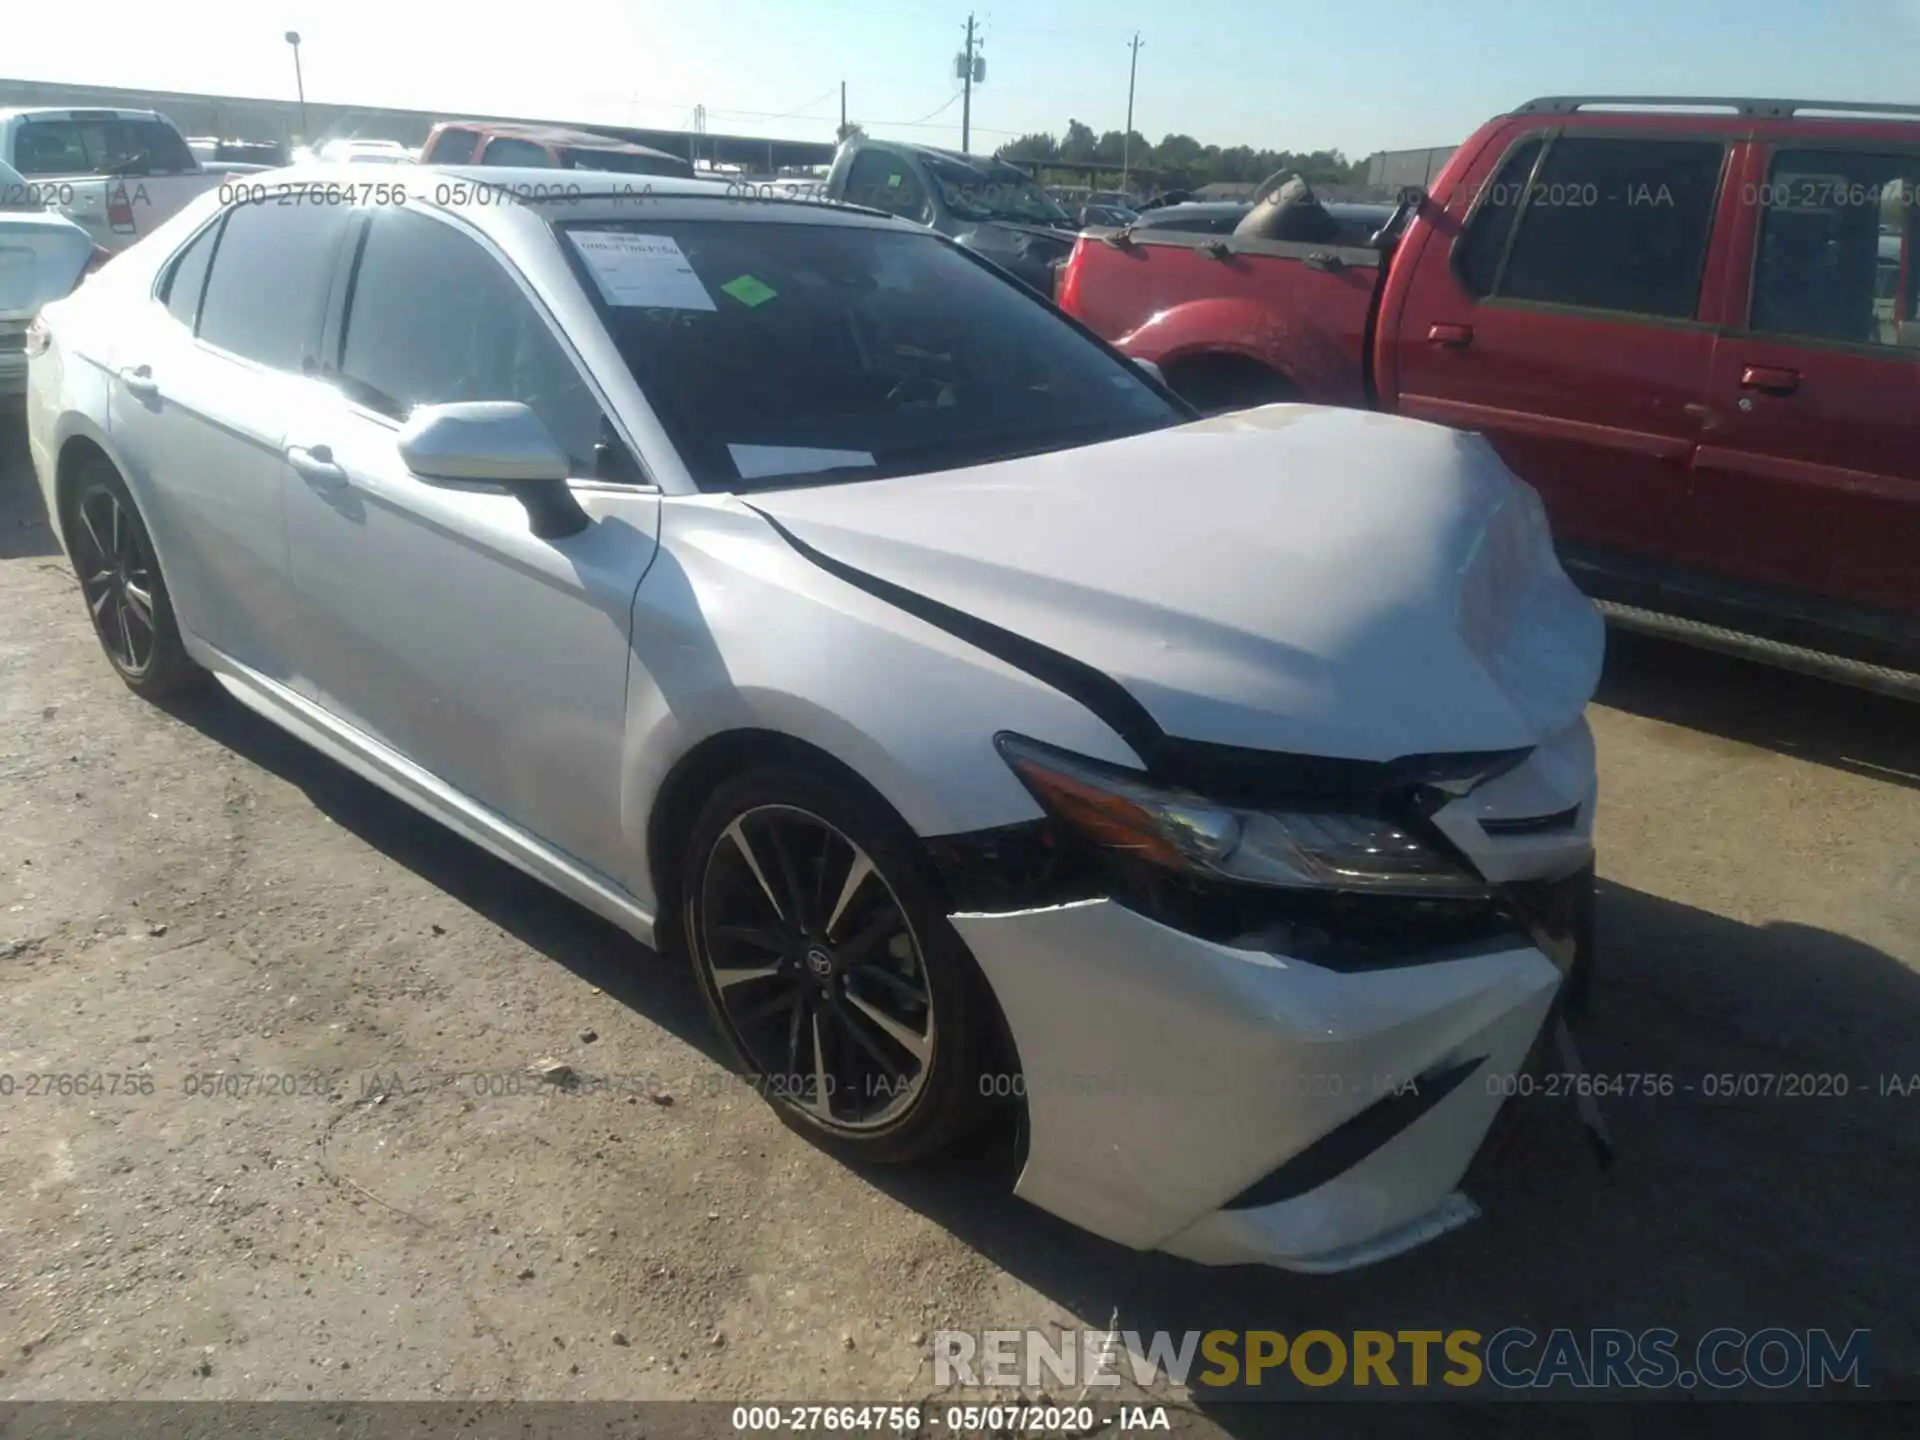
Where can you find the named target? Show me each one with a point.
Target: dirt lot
(185, 893)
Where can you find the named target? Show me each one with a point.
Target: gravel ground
(190, 892)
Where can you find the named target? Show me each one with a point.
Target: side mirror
(1152, 370)
(496, 442)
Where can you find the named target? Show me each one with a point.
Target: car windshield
(998, 192)
(622, 162)
(781, 353)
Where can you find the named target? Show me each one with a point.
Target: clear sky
(1377, 74)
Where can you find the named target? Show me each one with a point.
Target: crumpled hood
(1296, 579)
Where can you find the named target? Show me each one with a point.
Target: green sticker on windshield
(893, 182)
(749, 291)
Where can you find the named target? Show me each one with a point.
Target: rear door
(1555, 308)
(1805, 502)
(206, 375)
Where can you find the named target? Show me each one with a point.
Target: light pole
(1126, 139)
(293, 39)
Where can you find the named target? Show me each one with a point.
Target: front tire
(126, 595)
(830, 968)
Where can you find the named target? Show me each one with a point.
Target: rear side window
(268, 286)
(1836, 255)
(432, 319)
(1616, 224)
(1485, 242)
(188, 277)
(886, 182)
(622, 162)
(517, 152)
(92, 147)
(454, 147)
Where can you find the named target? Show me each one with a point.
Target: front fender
(735, 630)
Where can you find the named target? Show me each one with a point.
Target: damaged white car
(787, 585)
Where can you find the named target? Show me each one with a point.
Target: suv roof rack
(1739, 105)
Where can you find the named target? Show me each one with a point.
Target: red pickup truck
(1690, 324)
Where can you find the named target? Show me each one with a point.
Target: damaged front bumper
(1240, 1106)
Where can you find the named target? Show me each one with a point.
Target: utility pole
(843, 111)
(966, 94)
(1126, 139)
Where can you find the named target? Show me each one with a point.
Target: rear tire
(829, 966)
(125, 593)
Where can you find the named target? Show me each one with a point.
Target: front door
(1562, 323)
(431, 618)
(1806, 493)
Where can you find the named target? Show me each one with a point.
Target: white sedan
(787, 585)
(43, 255)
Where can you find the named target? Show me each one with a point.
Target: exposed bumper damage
(1166, 1076)
(1248, 1102)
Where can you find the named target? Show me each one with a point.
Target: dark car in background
(991, 207)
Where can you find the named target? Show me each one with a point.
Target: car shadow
(1763, 1174)
(596, 950)
(1860, 731)
(24, 531)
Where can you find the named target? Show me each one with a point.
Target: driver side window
(887, 182)
(433, 318)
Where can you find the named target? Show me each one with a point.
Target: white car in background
(363, 152)
(43, 255)
(783, 583)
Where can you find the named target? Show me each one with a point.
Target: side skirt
(412, 785)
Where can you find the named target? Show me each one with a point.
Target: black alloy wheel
(125, 594)
(836, 979)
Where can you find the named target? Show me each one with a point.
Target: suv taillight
(1066, 279)
(120, 209)
(38, 337)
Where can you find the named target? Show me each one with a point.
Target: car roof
(982, 163)
(475, 193)
(79, 112)
(551, 135)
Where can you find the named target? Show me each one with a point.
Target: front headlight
(1121, 811)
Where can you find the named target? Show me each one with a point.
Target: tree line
(1180, 161)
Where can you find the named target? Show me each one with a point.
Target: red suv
(1690, 324)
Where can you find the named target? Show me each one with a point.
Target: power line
(926, 117)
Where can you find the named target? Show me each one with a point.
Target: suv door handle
(139, 381)
(1454, 337)
(315, 465)
(1332, 264)
(1769, 379)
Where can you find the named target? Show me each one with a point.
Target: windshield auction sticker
(641, 270)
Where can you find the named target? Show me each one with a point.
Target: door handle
(1332, 264)
(1453, 337)
(1769, 379)
(139, 381)
(315, 465)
